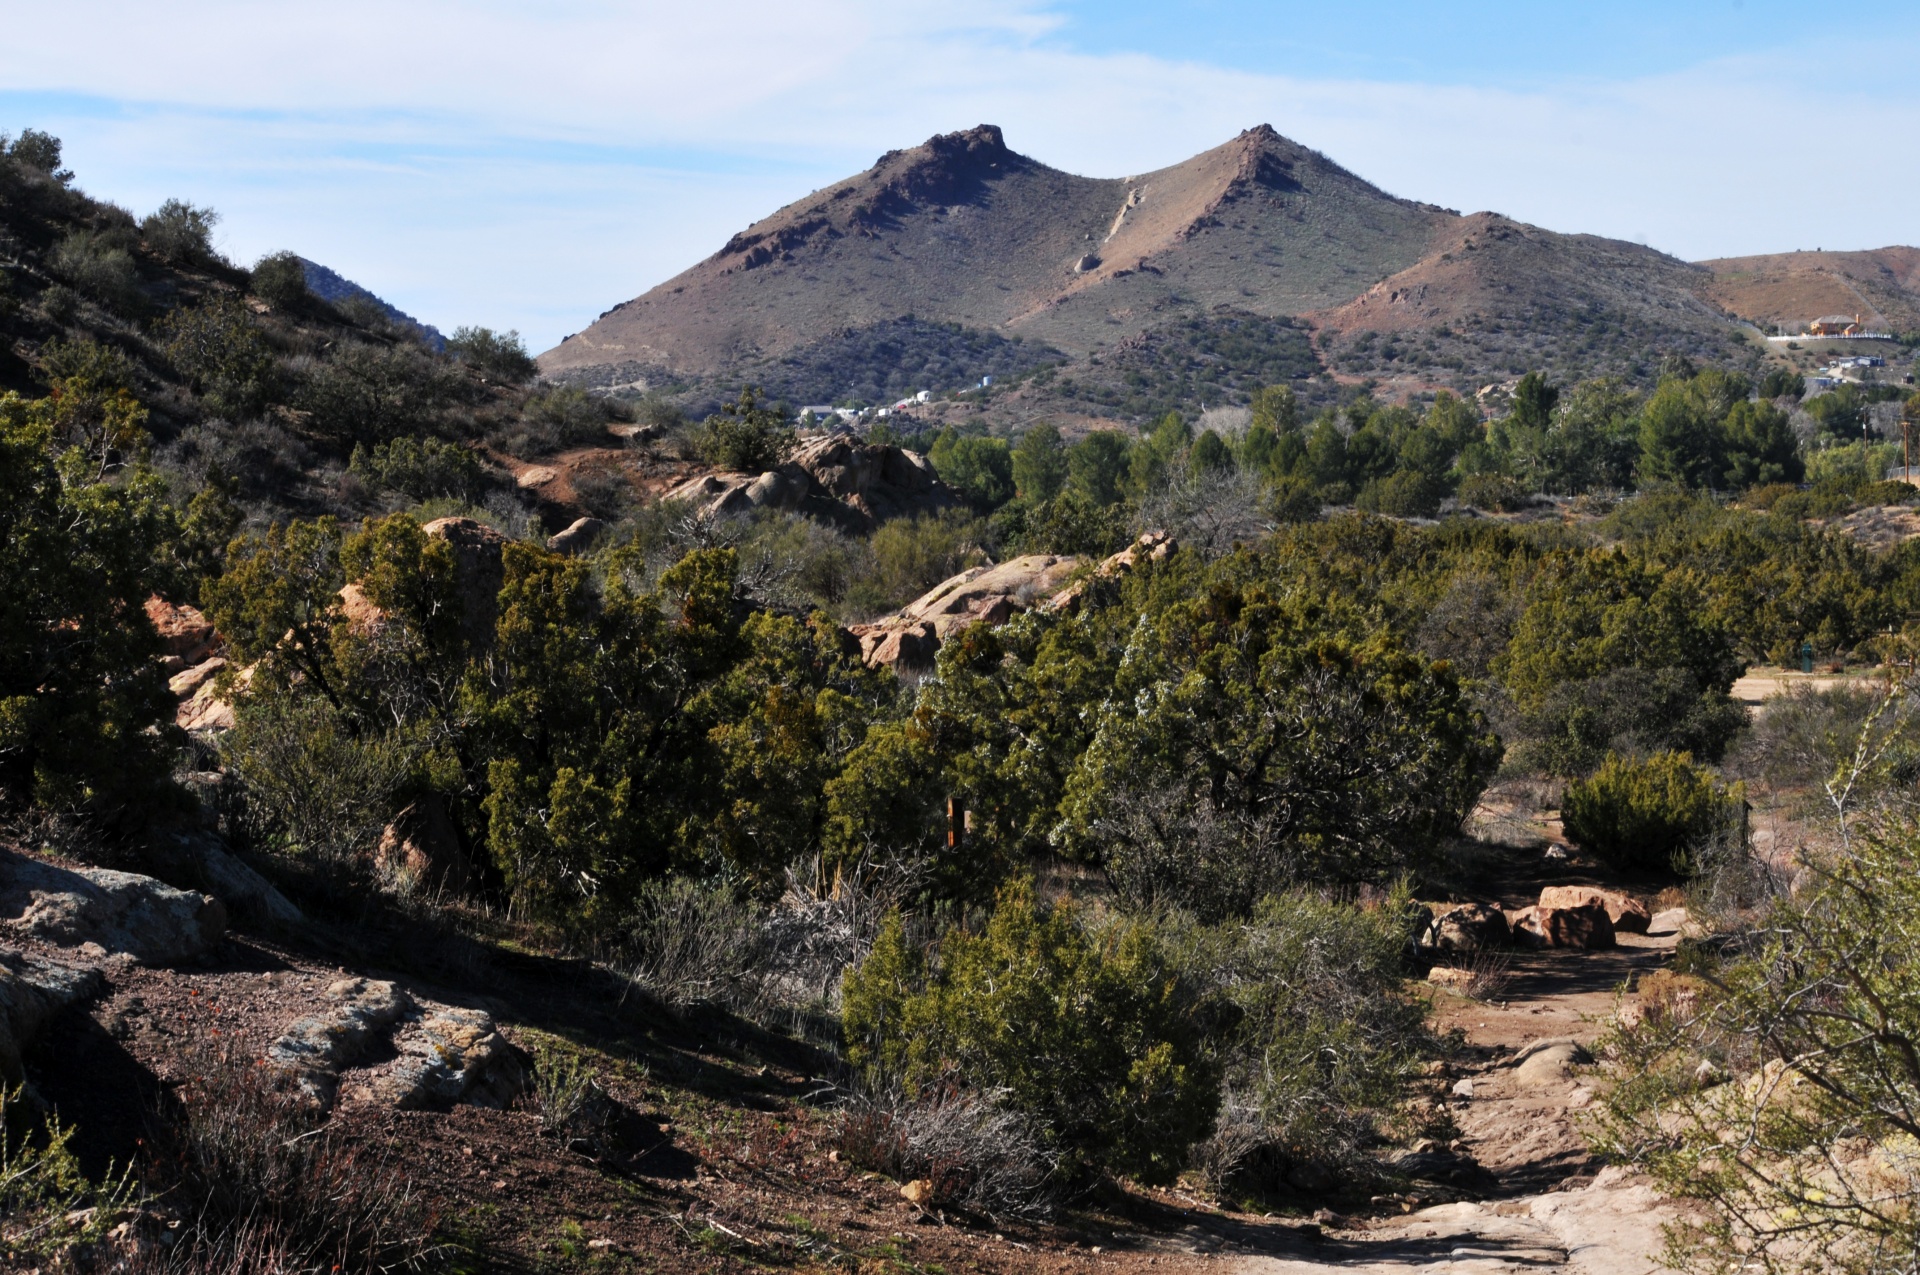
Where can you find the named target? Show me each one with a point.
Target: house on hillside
(1834, 325)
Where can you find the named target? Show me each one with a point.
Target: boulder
(199, 860)
(314, 1049)
(184, 632)
(832, 475)
(113, 912)
(183, 684)
(580, 536)
(1628, 914)
(908, 639)
(1544, 1063)
(1451, 977)
(1464, 927)
(1583, 927)
(32, 991)
(1153, 546)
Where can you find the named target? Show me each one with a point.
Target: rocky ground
(717, 1149)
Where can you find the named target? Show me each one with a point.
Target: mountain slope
(1791, 288)
(963, 230)
(1497, 296)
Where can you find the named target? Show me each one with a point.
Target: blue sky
(529, 165)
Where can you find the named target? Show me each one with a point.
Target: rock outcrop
(199, 860)
(187, 635)
(440, 1054)
(104, 913)
(1628, 914)
(1464, 927)
(908, 640)
(833, 476)
(580, 536)
(420, 849)
(1587, 926)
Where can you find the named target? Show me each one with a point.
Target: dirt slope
(961, 229)
(1791, 288)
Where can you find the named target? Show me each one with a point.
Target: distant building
(1835, 325)
(818, 413)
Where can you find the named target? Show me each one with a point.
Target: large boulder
(197, 859)
(109, 912)
(187, 635)
(1628, 914)
(579, 536)
(1464, 927)
(834, 476)
(909, 639)
(1587, 926)
(1153, 546)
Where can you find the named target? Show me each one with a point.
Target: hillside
(1497, 296)
(962, 230)
(961, 258)
(1790, 288)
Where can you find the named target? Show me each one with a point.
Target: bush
(1646, 814)
(559, 418)
(422, 468)
(498, 356)
(48, 1206)
(973, 1152)
(1495, 493)
(280, 280)
(370, 394)
(1090, 1033)
(268, 1184)
(744, 437)
(981, 469)
(1294, 500)
(911, 555)
(693, 943)
(100, 264)
(179, 233)
(1405, 493)
(224, 355)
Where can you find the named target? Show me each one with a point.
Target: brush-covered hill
(964, 231)
(1120, 297)
(1881, 286)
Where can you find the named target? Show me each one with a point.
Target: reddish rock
(1153, 546)
(1583, 927)
(1628, 914)
(184, 684)
(183, 630)
(981, 595)
(831, 475)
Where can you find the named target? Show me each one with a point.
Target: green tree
(1039, 464)
(85, 715)
(498, 356)
(744, 436)
(1097, 465)
(979, 468)
(221, 350)
(1656, 812)
(280, 279)
(1210, 452)
(1759, 447)
(180, 233)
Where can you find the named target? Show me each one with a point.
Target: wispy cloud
(530, 165)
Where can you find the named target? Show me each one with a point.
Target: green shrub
(744, 436)
(1494, 492)
(911, 555)
(498, 356)
(48, 1207)
(1646, 813)
(1294, 500)
(180, 233)
(100, 264)
(1851, 464)
(1888, 493)
(1091, 1033)
(369, 394)
(280, 280)
(981, 469)
(224, 355)
(556, 419)
(422, 468)
(1404, 493)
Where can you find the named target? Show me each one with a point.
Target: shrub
(744, 436)
(223, 353)
(267, 1184)
(1405, 493)
(1294, 500)
(555, 419)
(1090, 1033)
(422, 468)
(48, 1206)
(180, 233)
(498, 356)
(280, 280)
(100, 264)
(911, 555)
(573, 1106)
(37, 150)
(370, 394)
(1494, 492)
(1649, 813)
(971, 1150)
(693, 943)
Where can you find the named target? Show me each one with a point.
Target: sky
(529, 165)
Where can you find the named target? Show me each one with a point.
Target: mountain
(962, 230)
(335, 290)
(1119, 298)
(1789, 288)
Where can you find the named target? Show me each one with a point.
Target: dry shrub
(264, 1185)
(976, 1154)
(1491, 974)
(573, 1106)
(1239, 1135)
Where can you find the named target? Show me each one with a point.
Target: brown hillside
(1791, 288)
(963, 230)
(1494, 295)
